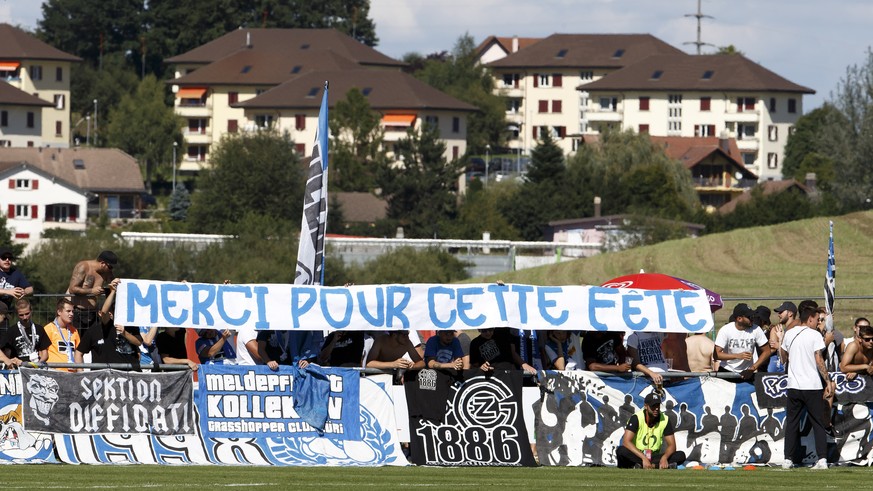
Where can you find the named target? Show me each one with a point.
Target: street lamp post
(487, 162)
(95, 122)
(88, 134)
(175, 144)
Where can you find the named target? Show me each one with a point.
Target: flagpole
(830, 280)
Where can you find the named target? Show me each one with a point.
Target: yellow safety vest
(647, 437)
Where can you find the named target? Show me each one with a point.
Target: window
(745, 103)
(59, 101)
(513, 106)
(792, 106)
(559, 131)
(197, 126)
(643, 129)
(772, 106)
(772, 160)
(4, 118)
(59, 128)
(791, 130)
(232, 97)
(232, 126)
(749, 159)
(746, 131)
(197, 153)
(544, 81)
(707, 75)
(507, 80)
(23, 211)
(300, 148)
(644, 103)
(618, 53)
(674, 98)
(608, 103)
(30, 119)
(562, 53)
(656, 75)
(299, 122)
(61, 213)
(264, 121)
(705, 103)
(456, 152)
(432, 120)
(704, 130)
(556, 106)
(456, 125)
(773, 133)
(543, 106)
(674, 127)
(586, 75)
(36, 72)
(59, 74)
(23, 184)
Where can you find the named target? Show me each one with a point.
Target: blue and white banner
(375, 443)
(412, 306)
(581, 421)
(254, 401)
(771, 388)
(18, 445)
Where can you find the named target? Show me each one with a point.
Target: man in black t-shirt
(343, 349)
(23, 341)
(171, 346)
(604, 352)
(109, 343)
(495, 348)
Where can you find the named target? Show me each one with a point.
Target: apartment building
(726, 96)
(35, 100)
(254, 78)
(539, 81)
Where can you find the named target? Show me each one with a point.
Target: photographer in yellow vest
(648, 441)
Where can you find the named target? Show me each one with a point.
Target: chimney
(515, 44)
(723, 142)
(597, 207)
(810, 182)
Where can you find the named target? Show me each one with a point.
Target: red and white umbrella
(657, 281)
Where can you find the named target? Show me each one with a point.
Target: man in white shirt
(741, 346)
(801, 348)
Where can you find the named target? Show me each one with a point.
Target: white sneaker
(787, 464)
(820, 465)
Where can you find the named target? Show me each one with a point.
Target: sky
(809, 42)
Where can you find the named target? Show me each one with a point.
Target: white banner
(413, 306)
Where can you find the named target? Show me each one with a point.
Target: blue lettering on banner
(253, 401)
(418, 306)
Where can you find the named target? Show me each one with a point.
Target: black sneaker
(671, 465)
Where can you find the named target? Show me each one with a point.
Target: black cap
(763, 313)
(744, 310)
(4, 250)
(789, 306)
(108, 257)
(653, 399)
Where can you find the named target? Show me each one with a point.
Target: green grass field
(785, 261)
(207, 477)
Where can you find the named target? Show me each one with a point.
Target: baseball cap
(743, 310)
(108, 257)
(789, 306)
(653, 399)
(6, 251)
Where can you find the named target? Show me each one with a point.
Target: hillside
(762, 264)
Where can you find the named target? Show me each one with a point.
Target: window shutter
(543, 106)
(556, 106)
(557, 79)
(534, 136)
(34, 184)
(562, 131)
(11, 213)
(536, 79)
(34, 211)
(12, 184)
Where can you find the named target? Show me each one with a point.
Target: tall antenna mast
(699, 15)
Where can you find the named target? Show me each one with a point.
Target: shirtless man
(86, 283)
(858, 357)
(699, 352)
(394, 350)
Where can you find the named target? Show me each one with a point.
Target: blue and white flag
(830, 281)
(310, 252)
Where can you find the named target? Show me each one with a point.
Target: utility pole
(699, 15)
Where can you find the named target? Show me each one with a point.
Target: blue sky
(810, 42)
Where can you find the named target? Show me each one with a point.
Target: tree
(729, 50)
(407, 265)
(180, 201)
(252, 172)
(357, 144)
(546, 161)
(421, 194)
(107, 86)
(6, 238)
(806, 150)
(480, 212)
(459, 76)
(145, 127)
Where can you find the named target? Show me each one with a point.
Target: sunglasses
(6, 258)
(867, 340)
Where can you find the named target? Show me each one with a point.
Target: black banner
(771, 388)
(467, 419)
(107, 401)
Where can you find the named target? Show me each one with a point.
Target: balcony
(194, 110)
(198, 137)
(719, 182)
(746, 116)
